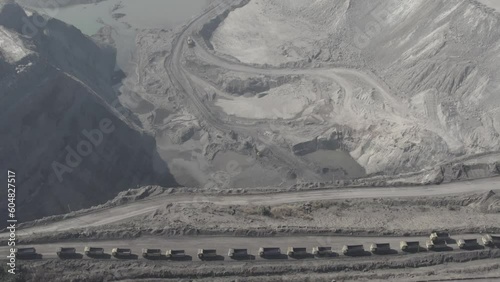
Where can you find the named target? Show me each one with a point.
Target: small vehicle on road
(322, 251)
(93, 251)
(269, 252)
(66, 252)
(26, 253)
(294, 252)
(175, 254)
(207, 254)
(151, 253)
(238, 253)
(121, 253)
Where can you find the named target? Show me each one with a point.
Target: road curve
(181, 80)
(120, 213)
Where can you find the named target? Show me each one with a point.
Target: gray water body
(138, 15)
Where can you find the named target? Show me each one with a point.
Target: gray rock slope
(62, 129)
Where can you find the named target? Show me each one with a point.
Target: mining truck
(294, 252)
(436, 246)
(491, 241)
(410, 246)
(121, 253)
(322, 251)
(383, 248)
(190, 42)
(353, 250)
(439, 236)
(151, 253)
(238, 253)
(91, 251)
(175, 254)
(25, 253)
(207, 253)
(269, 252)
(66, 252)
(468, 244)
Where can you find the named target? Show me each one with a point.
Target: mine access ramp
(269, 252)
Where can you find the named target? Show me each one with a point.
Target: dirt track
(116, 214)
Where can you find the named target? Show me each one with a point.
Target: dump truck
(25, 252)
(190, 42)
(352, 250)
(295, 252)
(491, 241)
(121, 252)
(66, 252)
(322, 251)
(269, 252)
(410, 246)
(436, 246)
(175, 254)
(468, 244)
(206, 253)
(237, 253)
(380, 248)
(151, 253)
(92, 251)
(439, 236)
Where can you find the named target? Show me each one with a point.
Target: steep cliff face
(63, 130)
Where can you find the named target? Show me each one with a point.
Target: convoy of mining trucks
(438, 241)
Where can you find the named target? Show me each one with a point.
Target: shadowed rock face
(62, 129)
